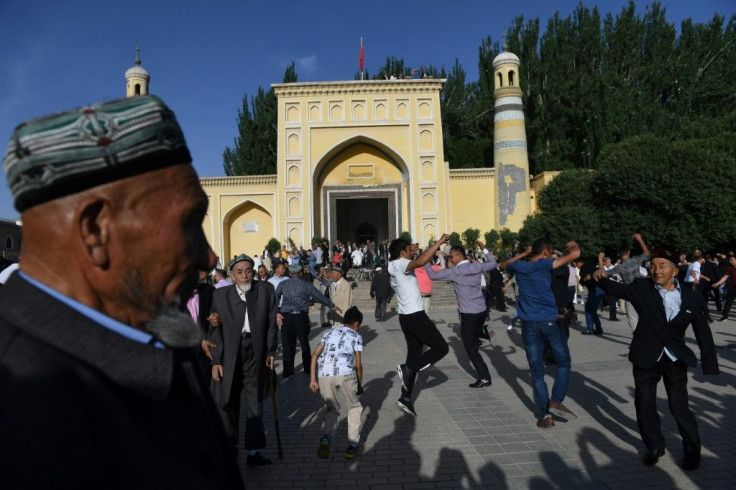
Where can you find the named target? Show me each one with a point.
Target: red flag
(361, 55)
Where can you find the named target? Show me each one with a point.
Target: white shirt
(695, 266)
(246, 324)
(406, 286)
(257, 262)
(357, 256)
(338, 357)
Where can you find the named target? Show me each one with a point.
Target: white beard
(244, 288)
(174, 328)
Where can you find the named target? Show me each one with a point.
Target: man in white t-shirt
(357, 257)
(418, 329)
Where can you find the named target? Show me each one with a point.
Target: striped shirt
(296, 295)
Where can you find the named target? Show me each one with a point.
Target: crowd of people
(105, 336)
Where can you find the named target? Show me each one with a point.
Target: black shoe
(614, 320)
(257, 460)
(404, 376)
(598, 332)
(326, 325)
(721, 319)
(481, 383)
(652, 456)
(407, 406)
(690, 462)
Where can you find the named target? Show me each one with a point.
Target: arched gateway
(356, 160)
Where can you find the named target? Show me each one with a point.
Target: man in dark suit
(658, 351)
(100, 388)
(244, 337)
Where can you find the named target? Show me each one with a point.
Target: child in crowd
(338, 361)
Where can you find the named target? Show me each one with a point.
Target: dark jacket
(381, 285)
(654, 332)
(261, 301)
(84, 407)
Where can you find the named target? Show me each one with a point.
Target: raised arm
(503, 265)
(573, 252)
(644, 248)
(427, 255)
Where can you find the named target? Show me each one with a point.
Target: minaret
(509, 143)
(137, 78)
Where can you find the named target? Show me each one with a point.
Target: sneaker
(404, 376)
(352, 451)
(721, 319)
(560, 410)
(257, 459)
(546, 422)
(407, 406)
(324, 448)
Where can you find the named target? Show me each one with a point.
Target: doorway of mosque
(360, 215)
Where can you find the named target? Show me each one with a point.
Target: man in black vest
(658, 351)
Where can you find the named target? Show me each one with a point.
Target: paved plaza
(487, 438)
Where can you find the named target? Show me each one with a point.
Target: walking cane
(272, 390)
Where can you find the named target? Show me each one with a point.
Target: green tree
(406, 236)
(470, 238)
(273, 245)
(455, 239)
(254, 149)
(491, 237)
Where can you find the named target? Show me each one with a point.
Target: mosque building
(359, 160)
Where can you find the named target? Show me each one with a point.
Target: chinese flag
(361, 56)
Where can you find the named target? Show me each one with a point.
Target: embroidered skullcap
(337, 268)
(295, 269)
(67, 152)
(240, 258)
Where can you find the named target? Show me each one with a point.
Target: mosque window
(137, 88)
(8, 243)
(500, 80)
(511, 78)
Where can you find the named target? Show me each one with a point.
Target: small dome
(504, 58)
(137, 71)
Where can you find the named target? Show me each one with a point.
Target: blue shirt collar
(96, 316)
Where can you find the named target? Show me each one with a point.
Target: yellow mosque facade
(359, 160)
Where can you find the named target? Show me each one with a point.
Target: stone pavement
(487, 438)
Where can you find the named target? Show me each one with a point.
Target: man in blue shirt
(537, 311)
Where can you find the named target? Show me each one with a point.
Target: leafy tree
(254, 149)
(406, 236)
(317, 240)
(470, 237)
(491, 237)
(273, 245)
(455, 239)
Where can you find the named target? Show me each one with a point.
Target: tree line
(597, 88)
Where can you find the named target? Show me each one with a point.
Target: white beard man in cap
(100, 388)
(243, 317)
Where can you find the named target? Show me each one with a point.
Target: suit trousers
(419, 331)
(295, 326)
(674, 374)
(471, 328)
(381, 304)
(246, 381)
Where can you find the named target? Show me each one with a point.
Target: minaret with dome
(510, 156)
(137, 77)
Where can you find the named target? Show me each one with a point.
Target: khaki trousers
(329, 387)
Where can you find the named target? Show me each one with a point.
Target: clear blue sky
(203, 56)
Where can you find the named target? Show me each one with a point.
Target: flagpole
(362, 71)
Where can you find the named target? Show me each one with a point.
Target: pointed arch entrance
(360, 192)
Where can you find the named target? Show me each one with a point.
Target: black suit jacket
(654, 332)
(226, 302)
(84, 407)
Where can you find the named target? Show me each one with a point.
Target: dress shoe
(652, 456)
(481, 383)
(690, 462)
(546, 422)
(257, 459)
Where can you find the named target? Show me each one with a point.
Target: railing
(245, 180)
